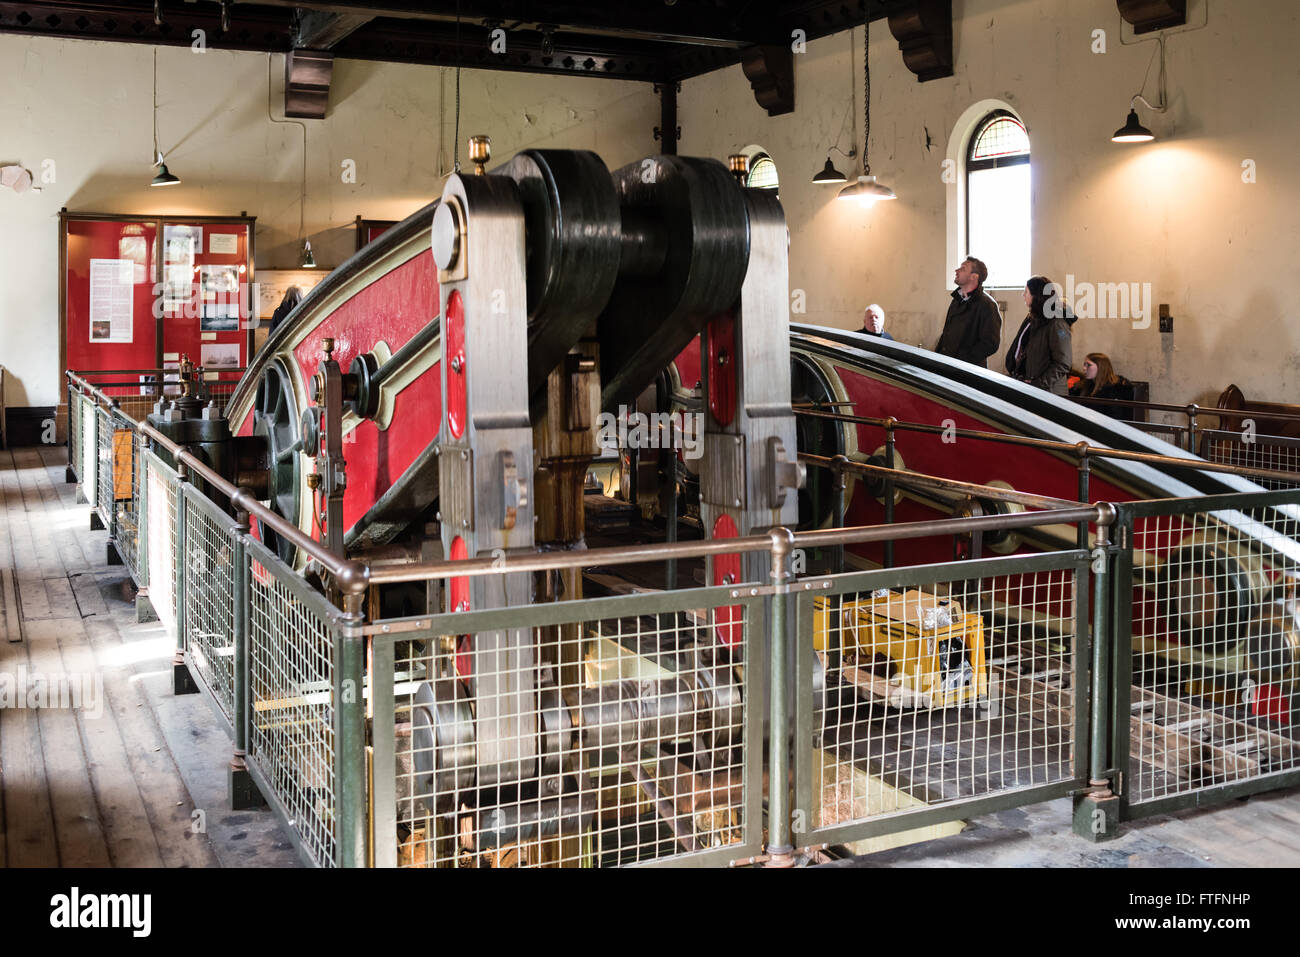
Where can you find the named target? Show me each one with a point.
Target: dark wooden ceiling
(655, 40)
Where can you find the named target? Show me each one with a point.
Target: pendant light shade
(829, 174)
(308, 260)
(867, 190)
(164, 177)
(1132, 131)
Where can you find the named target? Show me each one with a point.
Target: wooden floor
(133, 776)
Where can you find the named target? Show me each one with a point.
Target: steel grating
(291, 650)
(922, 693)
(630, 739)
(210, 572)
(1248, 450)
(1215, 650)
(160, 499)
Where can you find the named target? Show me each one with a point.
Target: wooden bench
(1266, 421)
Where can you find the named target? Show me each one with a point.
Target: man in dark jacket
(873, 322)
(972, 330)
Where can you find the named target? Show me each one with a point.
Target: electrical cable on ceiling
(302, 204)
(455, 156)
(157, 157)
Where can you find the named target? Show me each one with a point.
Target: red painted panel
(457, 390)
(688, 365)
(728, 619)
(89, 240)
(722, 368)
(458, 600)
(392, 309)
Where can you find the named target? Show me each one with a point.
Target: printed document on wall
(112, 290)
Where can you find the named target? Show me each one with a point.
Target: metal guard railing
(911, 697)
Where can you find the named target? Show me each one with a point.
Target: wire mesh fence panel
(126, 496)
(89, 444)
(1215, 626)
(1246, 449)
(292, 701)
(74, 433)
(105, 491)
(210, 573)
(160, 549)
(925, 691)
(599, 733)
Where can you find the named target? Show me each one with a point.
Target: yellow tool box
(935, 649)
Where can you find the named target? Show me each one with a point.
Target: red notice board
(129, 341)
(140, 292)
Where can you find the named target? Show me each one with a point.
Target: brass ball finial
(738, 163)
(480, 151)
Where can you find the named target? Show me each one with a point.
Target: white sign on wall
(112, 289)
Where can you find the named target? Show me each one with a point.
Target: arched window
(762, 172)
(997, 198)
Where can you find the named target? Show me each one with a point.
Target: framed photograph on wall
(219, 298)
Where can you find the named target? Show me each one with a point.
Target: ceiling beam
(641, 21)
(249, 29)
(321, 31)
(438, 45)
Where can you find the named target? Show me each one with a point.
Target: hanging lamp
(866, 190)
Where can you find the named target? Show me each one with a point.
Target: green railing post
(351, 804)
(780, 850)
(68, 475)
(1096, 811)
(242, 790)
(889, 489)
(839, 488)
(182, 681)
(1121, 639)
(1085, 470)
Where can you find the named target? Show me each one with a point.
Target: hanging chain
(866, 96)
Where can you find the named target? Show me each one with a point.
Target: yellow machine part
(913, 630)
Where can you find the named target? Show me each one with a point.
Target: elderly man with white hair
(873, 322)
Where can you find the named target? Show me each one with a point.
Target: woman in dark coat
(1040, 351)
(1101, 381)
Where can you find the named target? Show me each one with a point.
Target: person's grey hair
(877, 307)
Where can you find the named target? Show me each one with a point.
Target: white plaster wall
(87, 106)
(1174, 213)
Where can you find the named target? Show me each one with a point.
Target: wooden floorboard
(154, 825)
(77, 827)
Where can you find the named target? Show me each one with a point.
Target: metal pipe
(241, 618)
(182, 566)
(779, 848)
(1100, 658)
(350, 731)
(840, 489)
(1148, 458)
(1192, 409)
(615, 555)
(888, 557)
(939, 483)
(408, 351)
(1084, 479)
